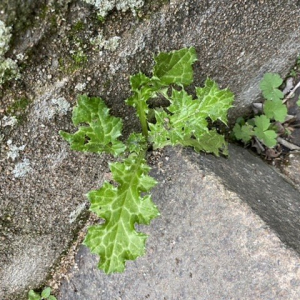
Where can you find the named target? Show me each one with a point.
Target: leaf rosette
(127, 202)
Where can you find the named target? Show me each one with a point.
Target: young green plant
(45, 295)
(184, 122)
(263, 127)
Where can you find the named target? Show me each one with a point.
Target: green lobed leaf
(159, 133)
(188, 117)
(269, 86)
(121, 207)
(52, 298)
(139, 80)
(100, 132)
(210, 142)
(175, 67)
(143, 90)
(268, 137)
(214, 101)
(184, 121)
(262, 122)
(136, 142)
(243, 132)
(121, 204)
(241, 121)
(275, 110)
(46, 292)
(32, 295)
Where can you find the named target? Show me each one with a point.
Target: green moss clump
(78, 26)
(18, 109)
(79, 58)
(18, 105)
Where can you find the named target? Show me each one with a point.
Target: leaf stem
(142, 116)
(291, 93)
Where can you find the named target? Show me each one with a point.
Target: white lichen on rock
(104, 6)
(13, 150)
(75, 213)
(9, 121)
(8, 67)
(110, 44)
(60, 106)
(22, 168)
(48, 108)
(5, 36)
(80, 86)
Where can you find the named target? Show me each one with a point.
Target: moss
(100, 19)
(53, 22)
(78, 26)
(19, 105)
(295, 71)
(79, 58)
(18, 109)
(64, 65)
(43, 12)
(72, 63)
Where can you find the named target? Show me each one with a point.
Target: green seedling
(185, 122)
(274, 110)
(45, 295)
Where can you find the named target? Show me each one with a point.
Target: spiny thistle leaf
(175, 67)
(188, 117)
(101, 132)
(268, 137)
(210, 142)
(139, 80)
(135, 142)
(269, 86)
(142, 91)
(121, 207)
(275, 110)
(215, 102)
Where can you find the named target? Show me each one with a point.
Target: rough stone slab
(236, 41)
(207, 244)
(270, 194)
(41, 208)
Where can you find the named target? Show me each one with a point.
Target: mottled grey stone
(236, 41)
(207, 243)
(270, 194)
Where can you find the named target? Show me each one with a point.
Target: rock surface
(65, 49)
(207, 244)
(271, 195)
